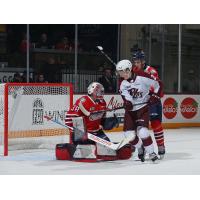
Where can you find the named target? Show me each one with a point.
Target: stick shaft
(90, 136)
(101, 50)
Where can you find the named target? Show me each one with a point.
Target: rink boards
(178, 110)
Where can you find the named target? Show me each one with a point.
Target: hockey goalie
(88, 116)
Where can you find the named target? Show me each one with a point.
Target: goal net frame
(5, 110)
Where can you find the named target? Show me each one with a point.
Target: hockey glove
(110, 122)
(154, 99)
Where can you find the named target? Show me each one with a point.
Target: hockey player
(87, 104)
(86, 118)
(156, 107)
(135, 90)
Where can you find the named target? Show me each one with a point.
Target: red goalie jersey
(83, 107)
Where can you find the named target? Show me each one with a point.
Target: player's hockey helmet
(96, 90)
(123, 65)
(138, 55)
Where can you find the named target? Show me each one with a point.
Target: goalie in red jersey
(88, 116)
(84, 107)
(156, 107)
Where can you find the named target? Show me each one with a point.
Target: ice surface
(182, 157)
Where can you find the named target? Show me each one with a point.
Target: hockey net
(23, 107)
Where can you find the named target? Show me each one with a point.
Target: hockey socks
(158, 132)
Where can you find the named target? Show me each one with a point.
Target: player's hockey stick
(95, 138)
(117, 108)
(101, 50)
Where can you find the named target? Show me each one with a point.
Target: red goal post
(22, 110)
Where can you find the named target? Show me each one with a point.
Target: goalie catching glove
(110, 122)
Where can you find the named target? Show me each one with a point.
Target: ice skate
(153, 157)
(161, 152)
(141, 153)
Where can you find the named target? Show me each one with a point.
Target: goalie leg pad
(79, 132)
(103, 150)
(125, 152)
(106, 154)
(85, 151)
(81, 153)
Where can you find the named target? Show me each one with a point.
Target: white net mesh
(27, 106)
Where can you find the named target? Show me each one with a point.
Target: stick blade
(126, 140)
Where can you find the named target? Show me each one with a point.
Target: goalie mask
(96, 90)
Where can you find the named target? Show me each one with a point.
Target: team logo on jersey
(189, 108)
(134, 92)
(38, 112)
(170, 107)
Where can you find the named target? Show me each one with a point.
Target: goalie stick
(96, 139)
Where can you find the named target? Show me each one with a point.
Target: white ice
(182, 157)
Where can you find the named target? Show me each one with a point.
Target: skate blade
(161, 157)
(148, 161)
(155, 161)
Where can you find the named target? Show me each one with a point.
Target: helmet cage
(96, 90)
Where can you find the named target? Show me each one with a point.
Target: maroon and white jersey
(136, 89)
(82, 108)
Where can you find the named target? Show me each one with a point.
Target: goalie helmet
(96, 90)
(123, 65)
